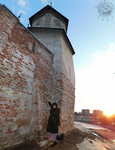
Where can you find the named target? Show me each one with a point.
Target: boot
(54, 144)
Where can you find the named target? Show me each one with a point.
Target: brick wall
(64, 95)
(67, 107)
(26, 83)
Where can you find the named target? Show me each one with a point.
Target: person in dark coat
(53, 122)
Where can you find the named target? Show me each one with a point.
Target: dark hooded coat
(54, 119)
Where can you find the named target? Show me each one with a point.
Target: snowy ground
(87, 127)
(82, 137)
(96, 144)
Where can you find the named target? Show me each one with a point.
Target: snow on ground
(97, 144)
(84, 127)
(88, 144)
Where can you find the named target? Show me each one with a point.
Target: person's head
(54, 105)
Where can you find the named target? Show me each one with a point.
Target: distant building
(86, 112)
(83, 116)
(97, 113)
(97, 116)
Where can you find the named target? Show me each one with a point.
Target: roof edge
(64, 33)
(51, 8)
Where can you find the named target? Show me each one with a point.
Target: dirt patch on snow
(70, 140)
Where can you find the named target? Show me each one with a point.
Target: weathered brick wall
(64, 95)
(43, 93)
(67, 107)
(26, 83)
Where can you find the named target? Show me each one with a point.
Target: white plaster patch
(42, 143)
(24, 130)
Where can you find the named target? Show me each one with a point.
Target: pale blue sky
(86, 31)
(90, 36)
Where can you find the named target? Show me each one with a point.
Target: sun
(108, 113)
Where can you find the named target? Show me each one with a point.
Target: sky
(93, 39)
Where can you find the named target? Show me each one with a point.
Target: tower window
(47, 20)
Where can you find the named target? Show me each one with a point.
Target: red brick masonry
(26, 83)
